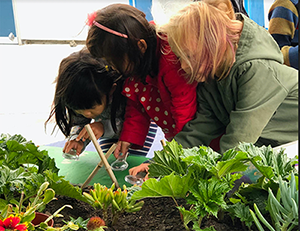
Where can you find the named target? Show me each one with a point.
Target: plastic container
(71, 155)
(41, 217)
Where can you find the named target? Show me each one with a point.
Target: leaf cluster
(26, 214)
(101, 197)
(214, 183)
(23, 170)
(283, 208)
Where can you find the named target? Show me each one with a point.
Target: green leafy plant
(283, 208)
(212, 181)
(26, 213)
(104, 198)
(24, 168)
(16, 151)
(78, 221)
(43, 226)
(207, 197)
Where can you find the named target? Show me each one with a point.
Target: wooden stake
(101, 154)
(163, 142)
(99, 165)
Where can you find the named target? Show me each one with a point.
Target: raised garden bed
(189, 189)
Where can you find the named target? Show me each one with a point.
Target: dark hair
(81, 83)
(116, 50)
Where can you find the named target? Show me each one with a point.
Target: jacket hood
(256, 43)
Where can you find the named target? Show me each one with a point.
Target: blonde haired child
(244, 89)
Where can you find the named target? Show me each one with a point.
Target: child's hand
(141, 168)
(97, 128)
(122, 147)
(73, 144)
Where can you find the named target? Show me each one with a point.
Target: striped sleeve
(283, 26)
(106, 143)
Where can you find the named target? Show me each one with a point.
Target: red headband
(91, 21)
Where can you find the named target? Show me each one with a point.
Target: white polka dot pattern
(149, 97)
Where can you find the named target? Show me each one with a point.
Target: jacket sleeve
(260, 93)
(183, 97)
(136, 124)
(205, 126)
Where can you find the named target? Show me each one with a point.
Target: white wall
(267, 5)
(65, 19)
(162, 8)
(56, 19)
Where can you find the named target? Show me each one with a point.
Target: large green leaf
(271, 164)
(16, 151)
(202, 156)
(209, 195)
(238, 163)
(241, 211)
(173, 186)
(63, 187)
(167, 161)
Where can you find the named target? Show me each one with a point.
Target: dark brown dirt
(157, 214)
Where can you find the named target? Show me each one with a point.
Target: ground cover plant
(190, 189)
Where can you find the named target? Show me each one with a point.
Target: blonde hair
(205, 35)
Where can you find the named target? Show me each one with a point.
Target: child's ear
(142, 45)
(113, 88)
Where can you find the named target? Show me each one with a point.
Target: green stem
(200, 221)
(221, 214)
(175, 201)
(115, 218)
(256, 221)
(105, 215)
(21, 201)
(263, 220)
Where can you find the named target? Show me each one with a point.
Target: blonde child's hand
(141, 168)
(97, 128)
(73, 144)
(122, 147)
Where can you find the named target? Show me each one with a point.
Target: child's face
(126, 68)
(93, 112)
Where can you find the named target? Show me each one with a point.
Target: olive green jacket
(256, 103)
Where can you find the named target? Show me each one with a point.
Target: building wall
(65, 19)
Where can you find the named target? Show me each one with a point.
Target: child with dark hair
(155, 86)
(88, 89)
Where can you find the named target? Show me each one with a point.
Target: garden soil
(157, 214)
